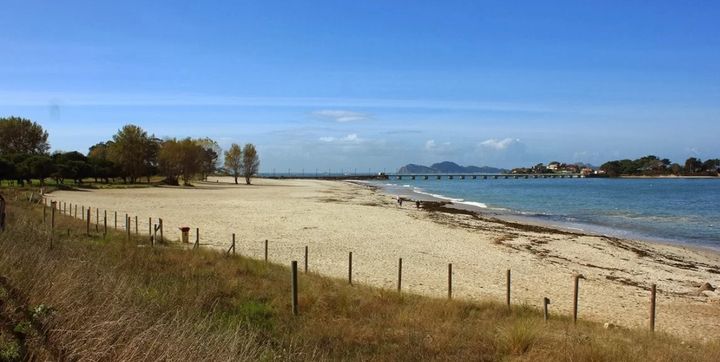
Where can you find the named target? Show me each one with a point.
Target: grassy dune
(99, 298)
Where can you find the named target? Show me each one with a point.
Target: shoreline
(332, 218)
(508, 215)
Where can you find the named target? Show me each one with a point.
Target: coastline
(548, 220)
(532, 224)
(333, 218)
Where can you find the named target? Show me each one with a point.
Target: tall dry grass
(110, 299)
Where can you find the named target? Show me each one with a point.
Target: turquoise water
(677, 210)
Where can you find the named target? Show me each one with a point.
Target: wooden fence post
(507, 282)
(162, 230)
(306, 259)
(115, 220)
(127, 226)
(576, 295)
(105, 223)
(87, 222)
(52, 215)
(233, 244)
(197, 238)
(350, 268)
(44, 213)
(97, 220)
(399, 284)
(294, 283)
(546, 301)
(266, 250)
(83, 213)
(653, 294)
(136, 226)
(76, 211)
(450, 281)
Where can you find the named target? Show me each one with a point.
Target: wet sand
(333, 218)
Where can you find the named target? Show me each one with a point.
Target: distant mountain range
(447, 167)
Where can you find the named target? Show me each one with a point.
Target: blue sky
(373, 84)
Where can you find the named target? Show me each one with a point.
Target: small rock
(705, 287)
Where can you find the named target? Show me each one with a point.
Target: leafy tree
(209, 157)
(20, 135)
(70, 165)
(7, 169)
(151, 152)
(676, 169)
(251, 162)
(39, 167)
(711, 166)
(612, 168)
(234, 161)
(693, 165)
(131, 151)
(180, 159)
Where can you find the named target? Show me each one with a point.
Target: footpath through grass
(99, 298)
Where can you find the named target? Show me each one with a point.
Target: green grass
(114, 299)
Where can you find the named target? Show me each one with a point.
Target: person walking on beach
(417, 204)
(2, 213)
(400, 201)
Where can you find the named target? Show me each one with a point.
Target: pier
(433, 176)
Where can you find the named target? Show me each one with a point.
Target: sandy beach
(334, 218)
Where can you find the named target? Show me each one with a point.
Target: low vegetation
(90, 297)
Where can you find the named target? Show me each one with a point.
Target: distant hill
(447, 167)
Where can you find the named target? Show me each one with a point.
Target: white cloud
(500, 145)
(351, 138)
(341, 116)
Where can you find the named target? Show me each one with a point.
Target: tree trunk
(236, 177)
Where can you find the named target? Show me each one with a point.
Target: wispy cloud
(340, 116)
(351, 138)
(500, 145)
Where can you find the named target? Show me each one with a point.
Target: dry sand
(334, 218)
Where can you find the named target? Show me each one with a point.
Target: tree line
(654, 166)
(131, 155)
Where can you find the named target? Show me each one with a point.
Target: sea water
(676, 210)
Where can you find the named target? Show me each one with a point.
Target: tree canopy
(20, 135)
(234, 161)
(251, 162)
